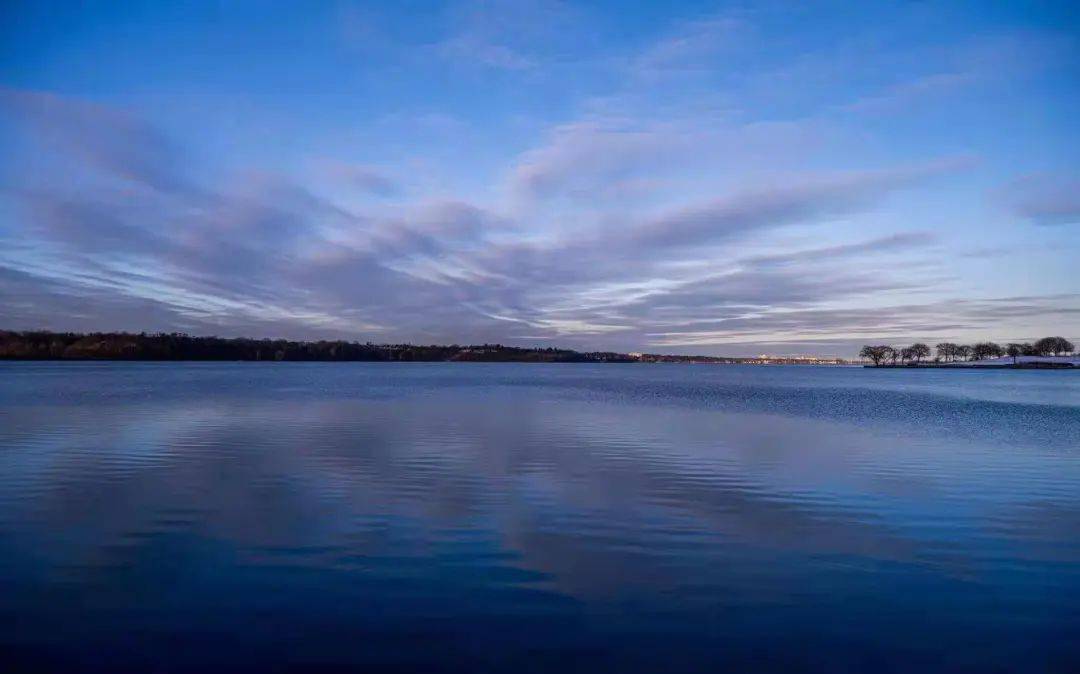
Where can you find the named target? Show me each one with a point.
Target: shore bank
(1006, 363)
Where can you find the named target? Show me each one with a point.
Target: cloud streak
(115, 142)
(1046, 200)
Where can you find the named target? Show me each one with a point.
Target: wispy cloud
(116, 142)
(1045, 199)
(511, 35)
(363, 178)
(898, 97)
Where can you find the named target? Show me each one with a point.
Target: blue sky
(697, 177)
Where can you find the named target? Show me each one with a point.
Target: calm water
(359, 517)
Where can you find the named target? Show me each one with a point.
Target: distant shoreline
(179, 347)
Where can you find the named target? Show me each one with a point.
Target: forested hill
(175, 346)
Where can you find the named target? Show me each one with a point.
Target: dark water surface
(205, 517)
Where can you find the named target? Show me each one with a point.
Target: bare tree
(1053, 346)
(986, 350)
(876, 354)
(947, 351)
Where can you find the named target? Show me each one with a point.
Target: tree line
(948, 352)
(42, 345)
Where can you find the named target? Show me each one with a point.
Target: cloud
(116, 142)
(360, 177)
(898, 97)
(510, 35)
(476, 50)
(259, 253)
(893, 242)
(581, 157)
(1045, 199)
(932, 320)
(692, 45)
(86, 223)
(737, 292)
(794, 201)
(593, 160)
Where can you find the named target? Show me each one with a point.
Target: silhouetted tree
(1053, 346)
(1065, 345)
(986, 350)
(876, 354)
(179, 346)
(918, 351)
(947, 351)
(1015, 350)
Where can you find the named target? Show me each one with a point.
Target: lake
(323, 517)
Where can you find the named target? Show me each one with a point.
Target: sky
(729, 178)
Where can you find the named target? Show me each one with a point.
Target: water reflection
(294, 518)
